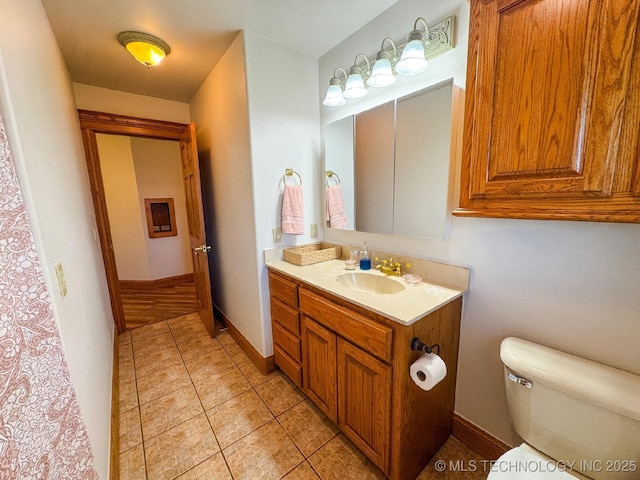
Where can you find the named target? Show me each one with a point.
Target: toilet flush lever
(520, 380)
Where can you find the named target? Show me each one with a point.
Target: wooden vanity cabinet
(320, 362)
(356, 370)
(552, 111)
(285, 324)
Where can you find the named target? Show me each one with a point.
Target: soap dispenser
(365, 258)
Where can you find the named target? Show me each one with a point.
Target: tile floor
(196, 408)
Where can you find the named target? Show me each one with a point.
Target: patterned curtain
(42, 435)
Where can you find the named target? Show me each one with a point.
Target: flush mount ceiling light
(145, 48)
(420, 46)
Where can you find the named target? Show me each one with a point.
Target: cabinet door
(364, 402)
(547, 81)
(319, 360)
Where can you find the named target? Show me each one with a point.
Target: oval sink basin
(364, 282)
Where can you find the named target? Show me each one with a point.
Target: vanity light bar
(435, 40)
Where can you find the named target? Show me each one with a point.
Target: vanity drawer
(285, 316)
(284, 290)
(291, 369)
(289, 343)
(365, 333)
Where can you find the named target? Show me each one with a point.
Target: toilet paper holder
(417, 344)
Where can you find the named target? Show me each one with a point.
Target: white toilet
(578, 418)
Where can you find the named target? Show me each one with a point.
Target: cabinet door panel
(548, 81)
(364, 402)
(319, 360)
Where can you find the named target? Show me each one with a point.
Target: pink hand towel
(335, 207)
(292, 216)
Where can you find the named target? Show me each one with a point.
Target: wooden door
(364, 402)
(319, 359)
(195, 217)
(92, 123)
(547, 84)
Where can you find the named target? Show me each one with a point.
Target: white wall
(221, 113)
(253, 121)
(283, 113)
(101, 99)
(158, 174)
(36, 102)
(569, 285)
(127, 223)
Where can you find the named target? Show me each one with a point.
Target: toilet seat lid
(522, 463)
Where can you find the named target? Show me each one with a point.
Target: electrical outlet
(277, 235)
(313, 230)
(62, 284)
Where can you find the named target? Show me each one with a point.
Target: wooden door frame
(92, 123)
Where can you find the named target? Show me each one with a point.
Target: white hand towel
(335, 207)
(292, 216)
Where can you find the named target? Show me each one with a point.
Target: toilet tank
(574, 410)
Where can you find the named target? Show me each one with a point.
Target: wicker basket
(312, 253)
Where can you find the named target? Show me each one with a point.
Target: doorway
(94, 123)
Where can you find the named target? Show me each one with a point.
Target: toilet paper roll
(428, 371)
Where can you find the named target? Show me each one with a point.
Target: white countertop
(405, 307)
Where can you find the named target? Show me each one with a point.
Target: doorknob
(202, 248)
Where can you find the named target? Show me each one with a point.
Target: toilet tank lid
(607, 387)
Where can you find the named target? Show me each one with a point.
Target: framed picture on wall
(161, 217)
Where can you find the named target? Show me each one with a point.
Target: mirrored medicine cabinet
(395, 163)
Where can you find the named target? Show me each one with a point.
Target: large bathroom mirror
(393, 163)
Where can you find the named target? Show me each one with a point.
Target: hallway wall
(36, 102)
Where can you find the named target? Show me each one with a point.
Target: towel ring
(331, 174)
(290, 172)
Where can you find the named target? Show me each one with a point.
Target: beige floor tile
(301, 472)
(126, 371)
(237, 417)
(191, 347)
(188, 334)
(124, 338)
(130, 430)
(140, 334)
(162, 382)
(458, 465)
(210, 362)
(252, 373)
(132, 464)
(220, 387)
(168, 411)
(213, 468)
(128, 395)
(125, 352)
(157, 360)
(340, 460)
(280, 394)
(151, 344)
(188, 319)
(308, 427)
(267, 453)
(179, 449)
(235, 352)
(225, 338)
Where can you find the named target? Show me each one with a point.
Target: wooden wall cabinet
(355, 368)
(552, 112)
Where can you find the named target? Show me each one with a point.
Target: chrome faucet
(391, 267)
